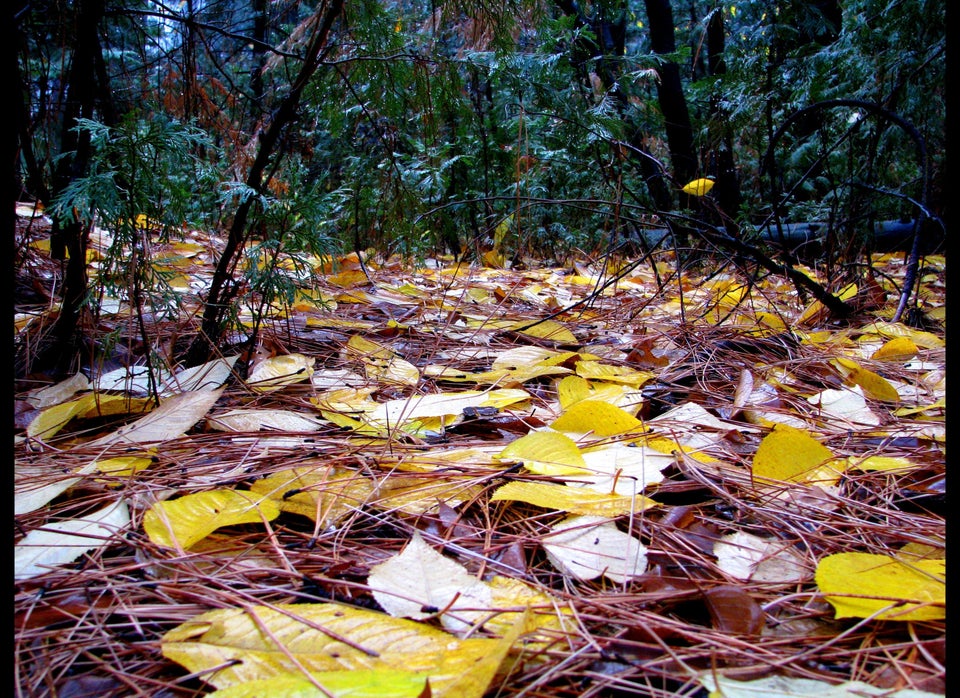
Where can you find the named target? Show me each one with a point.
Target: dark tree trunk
(68, 237)
(223, 290)
(670, 94)
(727, 189)
(611, 38)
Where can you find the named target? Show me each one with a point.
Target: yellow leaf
(323, 493)
(816, 311)
(698, 187)
(880, 463)
(576, 500)
(546, 329)
(124, 466)
(597, 418)
(53, 419)
(546, 453)
(595, 370)
(793, 455)
(278, 371)
(896, 349)
(418, 495)
(908, 591)
(874, 385)
(890, 330)
(331, 637)
(361, 683)
(181, 522)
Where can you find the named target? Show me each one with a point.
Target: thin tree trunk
(222, 291)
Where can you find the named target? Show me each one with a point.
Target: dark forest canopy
(416, 128)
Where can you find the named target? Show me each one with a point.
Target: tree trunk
(68, 237)
(222, 289)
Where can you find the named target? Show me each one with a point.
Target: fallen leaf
(420, 582)
(751, 558)
(64, 541)
(331, 637)
(587, 547)
(914, 590)
(795, 687)
(546, 453)
(575, 500)
(325, 494)
(279, 371)
(359, 683)
(596, 418)
(171, 420)
(181, 522)
(791, 455)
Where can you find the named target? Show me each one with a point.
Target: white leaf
(169, 421)
(420, 577)
(134, 380)
(61, 392)
(589, 546)
(848, 405)
(617, 468)
(266, 419)
(208, 376)
(749, 557)
(64, 541)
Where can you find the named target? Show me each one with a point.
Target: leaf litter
(720, 491)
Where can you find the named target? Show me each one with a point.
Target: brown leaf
(733, 610)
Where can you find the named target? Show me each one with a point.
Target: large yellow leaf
(382, 683)
(420, 578)
(896, 349)
(52, 419)
(873, 384)
(331, 637)
(890, 330)
(597, 418)
(380, 362)
(908, 591)
(793, 455)
(179, 523)
(547, 453)
(576, 500)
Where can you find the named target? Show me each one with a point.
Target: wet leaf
(914, 590)
(331, 637)
(792, 455)
(325, 494)
(181, 522)
(896, 349)
(734, 611)
(575, 500)
(279, 371)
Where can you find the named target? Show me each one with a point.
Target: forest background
(531, 349)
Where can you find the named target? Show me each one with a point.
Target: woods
(533, 349)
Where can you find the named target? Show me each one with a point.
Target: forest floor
(456, 480)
